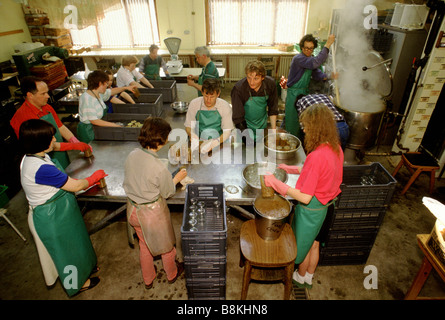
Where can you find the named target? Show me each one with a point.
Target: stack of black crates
(359, 211)
(204, 248)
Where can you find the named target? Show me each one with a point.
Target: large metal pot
(288, 151)
(252, 173)
(270, 223)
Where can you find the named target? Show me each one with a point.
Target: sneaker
(296, 282)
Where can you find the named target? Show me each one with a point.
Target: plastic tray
(204, 289)
(205, 267)
(147, 104)
(357, 195)
(119, 133)
(351, 239)
(166, 87)
(349, 256)
(204, 245)
(358, 218)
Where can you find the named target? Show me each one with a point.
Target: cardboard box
(36, 19)
(59, 41)
(55, 32)
(36, 31)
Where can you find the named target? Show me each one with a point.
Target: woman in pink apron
(147, 184)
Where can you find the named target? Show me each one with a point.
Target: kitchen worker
(36, 106)
(152, 63)
(54, 218)
(316, 188)
(303, 68)
(118, 99)
(209, 70)
(304, 102)
(92, 107)
(147, 183)
(209, 117)
(254, 99)
(127, 75)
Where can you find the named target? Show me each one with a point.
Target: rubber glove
(64, 146)
(290, 169)
(277, 185)
(95, 177)
(209, 145)
(73, 140)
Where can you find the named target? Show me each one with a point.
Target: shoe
(94, 281)
(149, 286)
(95, 269)
(299, 284)
(180, 267)
(307, 285)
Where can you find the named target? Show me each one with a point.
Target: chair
(416, 163)
(3, 215)
(267, 260)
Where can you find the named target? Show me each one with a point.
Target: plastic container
(148, 104)
(343, 256)
(358, 218)
(366, 186)
(204, 245)
(119, 133)
(205, 267)
(166, 87)
(351, 239)
(206, 289)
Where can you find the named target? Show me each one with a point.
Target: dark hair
(255, 66)
(308, 38)
(210, 86)
(95, 78)
(154, 132)
(35, 135)
(28, 84)
(153, 47)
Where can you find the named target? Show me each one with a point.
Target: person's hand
(330, 41)
(190, 80)
(73, 139)
(290, 169)
(277, 185)
(131, 88)
(95, 177)
(180, 176)
(209, 145)
(81, 146)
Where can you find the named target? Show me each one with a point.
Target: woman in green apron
(55, 220)
(316, 188)
(303, 68)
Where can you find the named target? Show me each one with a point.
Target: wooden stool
(416, 163)
(429, 262)
(260, 255)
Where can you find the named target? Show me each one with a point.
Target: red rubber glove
(290, 169)
(95, 177)
(73, 140)
(277, 185)
(64, 146)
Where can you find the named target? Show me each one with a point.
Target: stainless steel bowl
(180, 106)
(281, 153)
(252, 173)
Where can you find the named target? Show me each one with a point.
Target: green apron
(256, 113)
(60, 226)
(209, 119)
(291, 119)
(152, 72)
(85, 131)
(306, 225)
(61, 156)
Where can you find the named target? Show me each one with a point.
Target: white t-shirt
(124, 77)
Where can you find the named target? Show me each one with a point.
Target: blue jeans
(343, 131)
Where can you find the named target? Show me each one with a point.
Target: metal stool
(416, 163)
(3, 215)
(267, 260)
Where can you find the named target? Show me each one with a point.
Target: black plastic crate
(166, 87)
(203, 289)
(351, 239)
(147, 104)
(214, 223)
(357, 218)
(205, 267)
(119, 133)
(366, 186)
(204, 245)
(345, 256)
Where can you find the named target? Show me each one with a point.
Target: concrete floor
(395, 255)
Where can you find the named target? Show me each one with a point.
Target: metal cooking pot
(252, 173)
(272, 148)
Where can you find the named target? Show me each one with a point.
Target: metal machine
(174, 66)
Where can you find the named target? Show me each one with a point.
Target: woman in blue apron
(303, 67)
(316, 188)
(55, 220)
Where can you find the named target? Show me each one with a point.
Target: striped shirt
(92, 108)
(311, 99)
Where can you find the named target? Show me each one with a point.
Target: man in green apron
(209, 117)
(209, 70)
(151, 64)
(303, 68)
(254, 99)
(36, 107)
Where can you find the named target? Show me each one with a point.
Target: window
(129, 24)
(255, 22)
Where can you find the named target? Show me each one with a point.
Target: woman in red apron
(56, 223)
(316, 188)
(148, 183)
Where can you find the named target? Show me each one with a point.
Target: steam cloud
(357, 88)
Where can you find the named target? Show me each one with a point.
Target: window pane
(113, 28)
(142, 17)
(85, 37)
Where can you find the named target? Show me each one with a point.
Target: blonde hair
(319, 128)
(127, 60)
